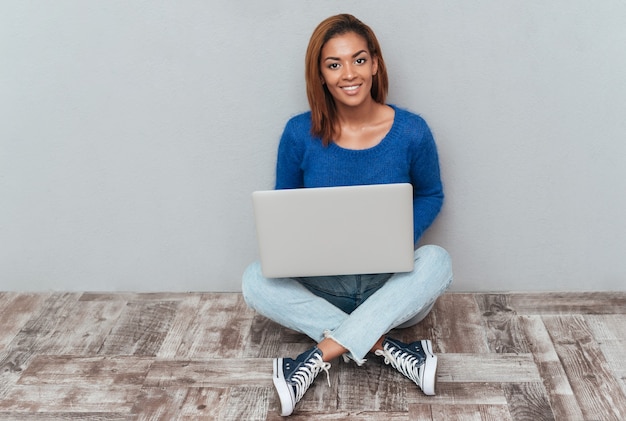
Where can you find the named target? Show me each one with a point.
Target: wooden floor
(84, 356)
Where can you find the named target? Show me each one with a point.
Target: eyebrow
(353, 55)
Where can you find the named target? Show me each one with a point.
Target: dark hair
(321, 102)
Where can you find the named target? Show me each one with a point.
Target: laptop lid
(335, 230)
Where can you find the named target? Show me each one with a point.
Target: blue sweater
(407, 154)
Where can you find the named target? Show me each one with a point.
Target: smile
(351, 90)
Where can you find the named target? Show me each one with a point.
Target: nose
(348, 72)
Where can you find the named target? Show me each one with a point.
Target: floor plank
(247, 403)
(174, 342)
(204, 403)
(188, 356)
(17, 309)
(33, 337)
(559, 391)
(504, 334)
(528, 402)
(94, 371)
(499, 368)
(159, 403)
(65, 416)
(210, 373)
(70, 398)
(554, 303)
(140, 329)
(454, 334)
(596, 389)
(610, 333)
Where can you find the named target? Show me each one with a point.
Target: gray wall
(132, 134)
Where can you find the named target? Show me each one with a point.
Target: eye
(333, 66)
(361, 60)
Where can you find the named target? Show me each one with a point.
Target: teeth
(350, 88)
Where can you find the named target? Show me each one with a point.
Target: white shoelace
(306, 374)
(401, 361)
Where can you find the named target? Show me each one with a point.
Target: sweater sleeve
(289, 174)
(425, 177)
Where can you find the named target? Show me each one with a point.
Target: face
(347, 69)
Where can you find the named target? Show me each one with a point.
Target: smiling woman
(348, 70)
(357, 43)
(352, 137)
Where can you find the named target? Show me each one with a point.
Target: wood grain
(140, 329)
(33, 337)
(17, 309)
(191, 356)
(592, 381)
(559, 392)
(501, 320)
(454, 334)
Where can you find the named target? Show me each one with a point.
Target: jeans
(354, 310)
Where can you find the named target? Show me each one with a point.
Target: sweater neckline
(384, 140)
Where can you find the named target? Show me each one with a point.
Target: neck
(357, 116)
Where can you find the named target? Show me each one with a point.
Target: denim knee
(438, 256)
(249, 281)
(434, 252)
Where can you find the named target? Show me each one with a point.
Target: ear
(374, 66)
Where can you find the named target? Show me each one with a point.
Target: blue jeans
(355, 310)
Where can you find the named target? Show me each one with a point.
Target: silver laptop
(335, 230)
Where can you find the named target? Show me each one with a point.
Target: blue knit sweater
(407, 154)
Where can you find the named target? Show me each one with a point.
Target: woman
(352, 137)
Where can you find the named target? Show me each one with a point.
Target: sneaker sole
(285, 394)
(429, 373)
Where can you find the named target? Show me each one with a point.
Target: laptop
(335, 230)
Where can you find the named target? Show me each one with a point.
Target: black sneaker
(293, 377)
(416, 361)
